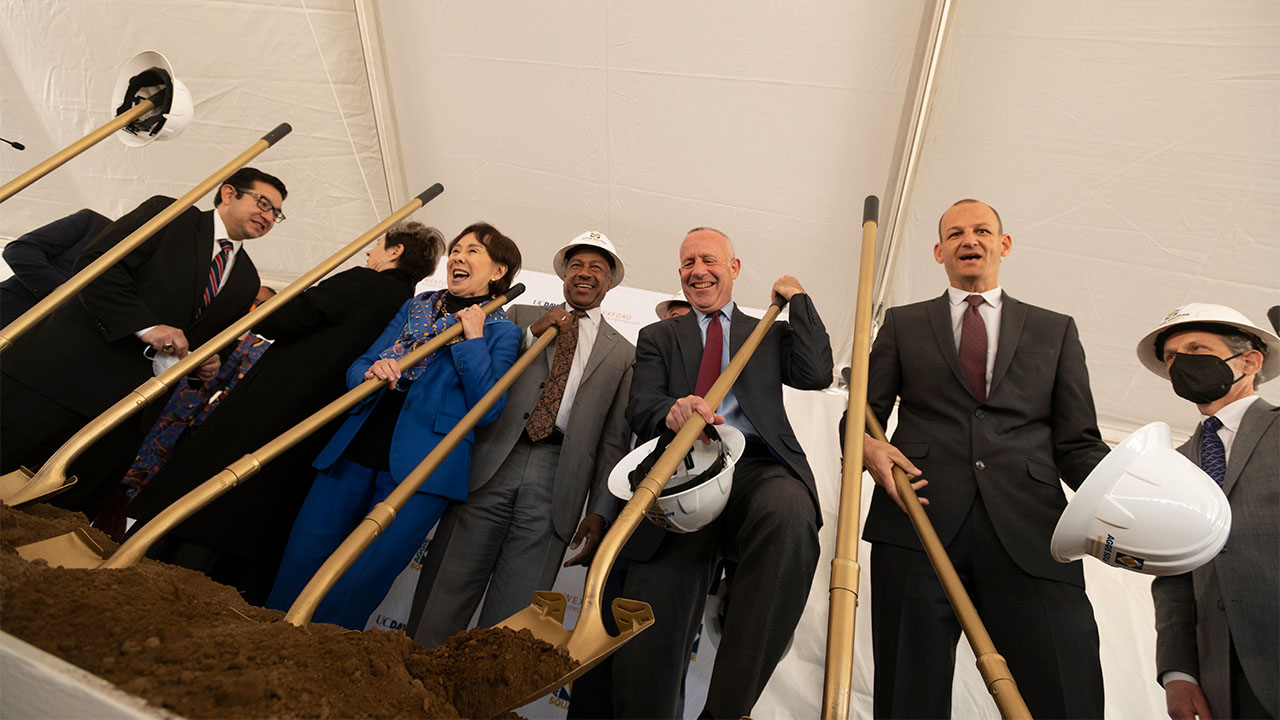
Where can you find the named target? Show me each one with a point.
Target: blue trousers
(339, 499)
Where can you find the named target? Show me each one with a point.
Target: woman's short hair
(502, 250)
(423, 247)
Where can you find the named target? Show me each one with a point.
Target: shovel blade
(16, 487)
(588, 643)
(69, 550)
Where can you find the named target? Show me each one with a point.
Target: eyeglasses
(264, 204)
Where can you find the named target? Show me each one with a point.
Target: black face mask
(1202, 379)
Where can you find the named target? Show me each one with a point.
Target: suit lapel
(689, 338)
(940, 320)
(1256, 419)
(203, 258)
(606, 337)
(1012, 316)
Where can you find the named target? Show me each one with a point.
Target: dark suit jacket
(1233, 598)
(597, 436)
(1038, 424)
(668, 353)
(317, 335)
(85, 355)
(42, 259)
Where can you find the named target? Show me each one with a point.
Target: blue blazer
(459, 375)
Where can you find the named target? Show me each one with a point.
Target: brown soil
(194, 647)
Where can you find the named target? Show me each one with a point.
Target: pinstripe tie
(216, 269)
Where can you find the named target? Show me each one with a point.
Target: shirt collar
(727, 309)
(994, 296)
(594, 314)
(220, 232)
(1232, 414)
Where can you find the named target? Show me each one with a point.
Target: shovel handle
(56, 160)
(991, 665)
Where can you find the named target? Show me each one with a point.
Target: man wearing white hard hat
(675, 306)
(177, 290)
(533, 469)
(1217, 626)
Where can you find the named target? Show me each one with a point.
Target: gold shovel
(991, 665)
(90, 272)
(589, 642)
(78, 550)
(22, 486)
(845, 570)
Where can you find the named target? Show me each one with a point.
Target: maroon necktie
(973, 348)
(216, 269)
(712, 351)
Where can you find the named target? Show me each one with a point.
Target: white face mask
(160, 361)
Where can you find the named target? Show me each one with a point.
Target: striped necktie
(216, 269)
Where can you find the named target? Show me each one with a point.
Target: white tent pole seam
(306, 12)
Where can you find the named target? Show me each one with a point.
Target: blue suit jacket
(455, 381)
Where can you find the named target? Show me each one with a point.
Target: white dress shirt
(588, 328)
(990, 313)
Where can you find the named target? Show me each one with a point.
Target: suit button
(526, 416)
(979, 413)
(980, 465)
(541, 385)
(1221, 605)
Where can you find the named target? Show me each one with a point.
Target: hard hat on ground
(662, 307)
(1198, 314)
(591, 239)
(700, 487)
(149, 76)
(1145, 508)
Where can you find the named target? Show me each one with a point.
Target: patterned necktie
(1213, 456)
(216, 269)
(712, 353)
(543, 418)
(973, 348)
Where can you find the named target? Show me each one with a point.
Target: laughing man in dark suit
(770, 524)
(994, 407)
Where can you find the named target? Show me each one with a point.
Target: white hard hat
(146, 75)
(1151, 356)
(700, 487)
(1145, 508)
(590, 239)
(662, 307)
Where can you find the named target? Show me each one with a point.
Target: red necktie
(973, 348)
(712, 351)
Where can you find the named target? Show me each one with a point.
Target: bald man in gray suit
(528, 486)
(1217, 626)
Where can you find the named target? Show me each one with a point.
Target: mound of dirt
(194, 647)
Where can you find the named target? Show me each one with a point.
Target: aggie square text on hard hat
(1145, 508)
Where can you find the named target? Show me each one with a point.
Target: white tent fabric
(1132, 150)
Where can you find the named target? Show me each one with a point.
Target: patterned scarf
(427, 318)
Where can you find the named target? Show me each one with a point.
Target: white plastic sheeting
(1130, 148)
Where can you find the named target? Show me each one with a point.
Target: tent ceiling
(1132, 150)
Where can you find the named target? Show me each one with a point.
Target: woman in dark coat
(240, 537)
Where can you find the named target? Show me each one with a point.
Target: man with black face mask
(1217, 625)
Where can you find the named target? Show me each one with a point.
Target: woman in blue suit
(384, 438)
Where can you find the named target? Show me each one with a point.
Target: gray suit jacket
(597, 437)
(1233, 597)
